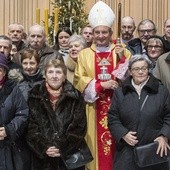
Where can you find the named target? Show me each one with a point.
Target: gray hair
(41, 28)
(139, 57)
(14, 24)
(4, 37)
(78, 38)
(143, 22)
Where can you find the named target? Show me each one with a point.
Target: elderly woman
(57, 124)
(139, 114)
(76, 44)
(154, 48)
(14, 152)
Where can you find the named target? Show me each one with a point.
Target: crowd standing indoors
(85, 89)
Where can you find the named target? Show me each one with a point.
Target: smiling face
(74, 48)
(55, 77)
(154, 48)
(102, 35)
(139, 71)
(145, 31)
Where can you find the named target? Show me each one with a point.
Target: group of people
(86, 90)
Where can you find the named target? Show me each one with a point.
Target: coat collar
(167, 59)
(151, 86)
(40, 91)
(93, 47)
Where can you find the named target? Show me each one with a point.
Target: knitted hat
(101, 15)
(3, 61)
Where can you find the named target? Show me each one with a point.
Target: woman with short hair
(139, 115)
(57, 124)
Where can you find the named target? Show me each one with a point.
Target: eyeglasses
(156, 47)
(150, 31)
(137, 69)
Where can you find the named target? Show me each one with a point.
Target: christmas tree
(71, 14)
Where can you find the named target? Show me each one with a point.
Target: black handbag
(78, 159)
(146, 155)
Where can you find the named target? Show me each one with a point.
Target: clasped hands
(53, 152)
(163, 146)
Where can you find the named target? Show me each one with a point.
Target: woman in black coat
(57, 124)
(132, 127)
(14, 152)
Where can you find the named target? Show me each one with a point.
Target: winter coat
(29, 81)
(162, 69)
(135, 46)
(14, 152)
(123, 117)
(64, 128)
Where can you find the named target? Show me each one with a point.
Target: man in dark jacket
(146, 29)
(37, 41)
(15, 32)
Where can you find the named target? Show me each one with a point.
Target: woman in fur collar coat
(57, 124)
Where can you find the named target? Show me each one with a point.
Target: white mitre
(101, 14)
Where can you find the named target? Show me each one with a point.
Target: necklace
(105, 60)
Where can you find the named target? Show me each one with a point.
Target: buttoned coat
(149, 123)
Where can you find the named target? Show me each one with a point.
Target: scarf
(53, 95)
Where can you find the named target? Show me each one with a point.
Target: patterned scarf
(53, 95)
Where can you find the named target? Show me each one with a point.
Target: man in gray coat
(162, 69)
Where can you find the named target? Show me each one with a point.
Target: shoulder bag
(145, 155)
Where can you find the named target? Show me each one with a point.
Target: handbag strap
(144, 103)
(141, 108)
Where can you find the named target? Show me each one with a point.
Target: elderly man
(94, 78)
(127, 29)
(15, 32)
(37, 41)
(166, 36)
(146, 29)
